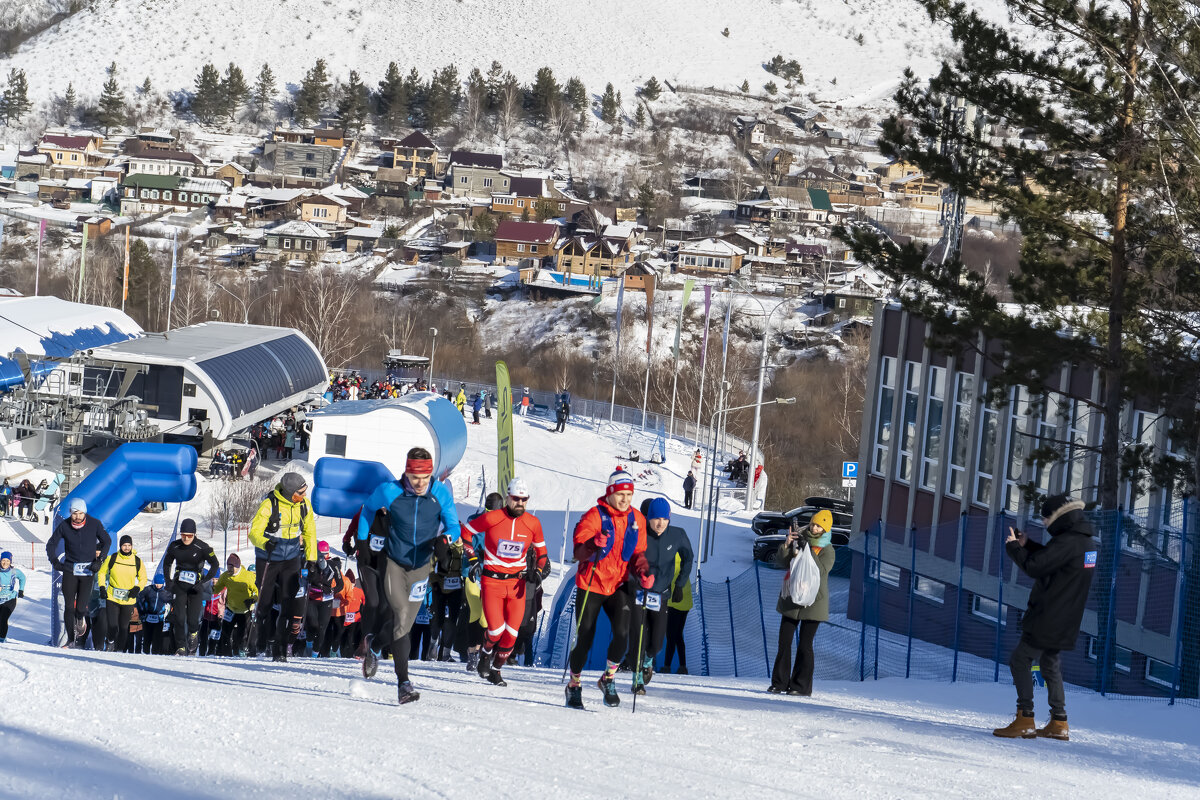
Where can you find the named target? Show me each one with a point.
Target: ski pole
(637, 666)
(575, 632)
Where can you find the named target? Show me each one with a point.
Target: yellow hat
(823, 518)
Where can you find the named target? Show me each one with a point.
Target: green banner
(505, 451)
(687, 293)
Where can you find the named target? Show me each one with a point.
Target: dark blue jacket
(154, 600)
(414, 521)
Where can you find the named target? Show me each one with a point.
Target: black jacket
(689, 483)
(154, 601)
(191, 558)
(1062, 570)
(661, 550)
(79, 544)
(326, 577)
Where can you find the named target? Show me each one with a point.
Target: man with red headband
(402, 519)
(509, 543)
(610, 546)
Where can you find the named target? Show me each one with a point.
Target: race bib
(120, 594)
(300, 591)
(153, 618)
(350, 617)
(166, 627)
(186, 576)
(510, 548)
(214, 634)
(228, 615)
(376, 543)
(425, 617)
(326, 597)
(418, 590)
(651, 600)
(452, 582)
(81, 570)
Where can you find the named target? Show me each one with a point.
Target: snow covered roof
(364, 233)
(236, 167)
(324, 199)
(711, 247)
(299, 228)
(50, 326)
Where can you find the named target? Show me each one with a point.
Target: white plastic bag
(803, 579)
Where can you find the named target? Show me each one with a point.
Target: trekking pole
(576, 619)
(637, 666)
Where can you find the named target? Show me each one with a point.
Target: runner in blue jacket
(12, 586)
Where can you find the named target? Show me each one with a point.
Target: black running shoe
(370, 664)
(493, 677)
(484, 667)
(609, 687)
(405, 693)
(575, 697)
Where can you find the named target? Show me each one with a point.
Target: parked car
(767, 522)
(766, 546)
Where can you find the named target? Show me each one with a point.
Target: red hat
(620, 481)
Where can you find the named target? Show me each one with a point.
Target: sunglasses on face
(516, 499)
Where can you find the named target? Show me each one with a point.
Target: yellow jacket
(460, 399)
(122, 576)
(296, 527)
(240, 591)
(685, 602)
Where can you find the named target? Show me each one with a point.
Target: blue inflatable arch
(342, 485)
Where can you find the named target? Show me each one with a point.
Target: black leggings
(281, 582)
(185, 616)
(651, 627)
(232, 633)
(76, 591)
(376, 613)
(6, 610)
(616, 608)
(676, 617)
(117, 616)
(317, 623)
(441, 630)
(800, 678)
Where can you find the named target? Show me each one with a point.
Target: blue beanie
(5, 555)
(660, 508)
(159, 578)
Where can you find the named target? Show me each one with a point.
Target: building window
(189, 390)
(487, 182)
(335, 444)
(841, 302)
(308, 157)
(885, 573)
(533, 248)
(883, 414)
(1122, 657)
(562, 206)
(289, 155)
(1160, 672)
(1048, 427)
(1078, 456)
(320, 212)
(931, 453)
(1019, 448)
(463, 179)
(987, 608)
(504, 201)
(908, 429)
(166, 195)
(74, 156)
(986, 455)
(964, 394)
(145, 194)
(929, 589)
(520, 248)
(308, 244)
(287, 244)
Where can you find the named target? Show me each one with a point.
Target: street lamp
(245, 307)
(432, 353)
(710, 510)
(762, 371)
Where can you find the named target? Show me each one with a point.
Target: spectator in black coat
(1062, 570)
(689, 486)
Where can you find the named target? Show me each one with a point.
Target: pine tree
(576, 94)
(66, 105)
(263, 95)
(313, 95)
(1107, 268)
(235, 90)
(391, 100)
(146, 88)
(770, 87)
(16, 97)
(414, 89)
(608, 105)
(495, 77)
(652, 89)
(646, 199)
(544, 91)
(353, 104)
(208, 100)
(745, 87)
(111, 111)
(639, 117)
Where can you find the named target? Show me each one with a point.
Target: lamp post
(245, 307)
(710, 510)
(762, 371)
(432, 353)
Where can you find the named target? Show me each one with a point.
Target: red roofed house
(69, 151)
(518, 240)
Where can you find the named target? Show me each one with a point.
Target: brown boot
(1055, 729)
(1022, 727)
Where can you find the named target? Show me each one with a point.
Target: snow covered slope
(622, 41)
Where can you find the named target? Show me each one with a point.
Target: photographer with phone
(816, 534)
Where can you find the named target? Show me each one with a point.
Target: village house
(358, 239)
(73, 151)
(519, 240)
(819, 178)
(323, 211)
(523, 196)
(476, 174)
(151, 194)
(754, 244)
(590, 254)
(637, 275)
(295, 240)
(159, 161)
(304, 153)
(917, 190)
(417, 156)
(232, 173)
(710, 257)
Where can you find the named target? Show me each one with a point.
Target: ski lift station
(385, 430)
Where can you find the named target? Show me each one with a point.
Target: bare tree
(511, 98)
(327, 313)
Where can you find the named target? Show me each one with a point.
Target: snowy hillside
(27, 14)
(852, 50)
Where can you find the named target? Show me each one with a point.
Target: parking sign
(849, 469)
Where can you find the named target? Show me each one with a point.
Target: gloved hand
(476, 570)
(20, 592)
(57, 563)
(271, 543)
(95, 565)
(601, 540)
(677, 595)
(310, 568)
(646, 581)
(533, 576)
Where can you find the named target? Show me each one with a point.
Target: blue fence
(908, 604)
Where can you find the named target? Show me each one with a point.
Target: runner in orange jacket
(508, 549)
(610, 546)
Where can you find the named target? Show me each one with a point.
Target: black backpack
(137, 564)
(273, 522)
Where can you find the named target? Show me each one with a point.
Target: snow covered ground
(849, 49)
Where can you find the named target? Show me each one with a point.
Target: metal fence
(894, 617)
